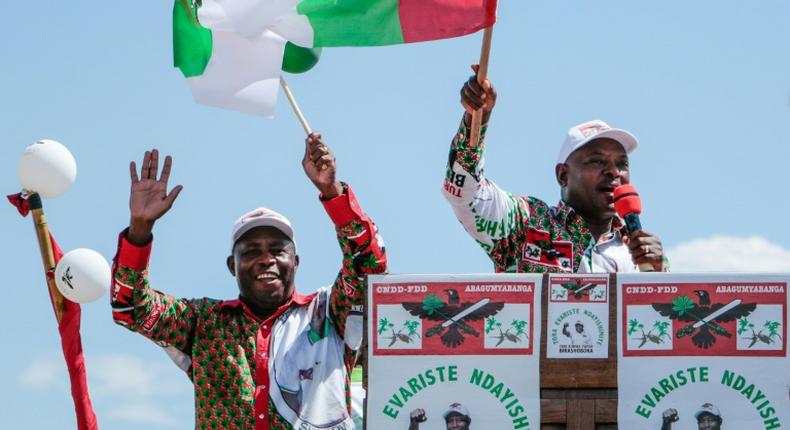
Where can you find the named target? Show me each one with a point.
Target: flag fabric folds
(70, 340)
(325, 23)
(231, 51)
(223, 68)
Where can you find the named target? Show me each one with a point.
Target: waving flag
(231, 51)
(224, 69)
(325, 23)
(70, 340)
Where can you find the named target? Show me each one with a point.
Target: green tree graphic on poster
(767, 334)
(659, 327)
(515, 333)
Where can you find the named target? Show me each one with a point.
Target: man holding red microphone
(582, 234)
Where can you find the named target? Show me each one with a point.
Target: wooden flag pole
(482, 75)
(47, 254)
(295, 107)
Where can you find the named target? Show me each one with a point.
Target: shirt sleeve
(492, 216)
(363, 254)
(138, 307)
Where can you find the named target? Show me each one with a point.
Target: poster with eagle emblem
(445, 348)
(578, 316)
(703, 351)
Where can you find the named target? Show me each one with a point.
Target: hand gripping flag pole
(482, 75)
(67, 312)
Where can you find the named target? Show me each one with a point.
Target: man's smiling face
(264, 262)
(708, 421)
(457, 422)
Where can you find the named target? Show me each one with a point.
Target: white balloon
(48, 168)
(83, 275)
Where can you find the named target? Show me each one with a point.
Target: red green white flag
(224, 69)
(326, 23)
(231, 51)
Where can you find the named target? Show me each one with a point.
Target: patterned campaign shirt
(244, 370)
(522, 233)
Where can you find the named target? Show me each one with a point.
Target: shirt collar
(295, 300)
(565, 215)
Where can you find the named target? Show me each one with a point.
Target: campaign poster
(444, 350)
(578, 316)
(703, 352)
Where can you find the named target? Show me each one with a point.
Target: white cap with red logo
(261, 217)
(708, 408)
(456, 408)
(582, 134)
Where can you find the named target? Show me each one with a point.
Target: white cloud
(142, 412)
(123, 387)
(130, 376)
(44, 373)
(729, 254)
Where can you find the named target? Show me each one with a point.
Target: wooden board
(579, 394)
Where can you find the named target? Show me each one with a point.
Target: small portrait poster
(703, 352)
(578, 316)
(453, 348)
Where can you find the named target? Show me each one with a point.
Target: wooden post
(482, 75)
(47, 254)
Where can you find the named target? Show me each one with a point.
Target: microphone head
(626, 200)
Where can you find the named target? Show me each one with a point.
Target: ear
(561, 172)
(231, 262)
(296, 258)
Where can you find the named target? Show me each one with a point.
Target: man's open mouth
(267, 276)
(607, 190)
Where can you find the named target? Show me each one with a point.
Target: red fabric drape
(70, 341)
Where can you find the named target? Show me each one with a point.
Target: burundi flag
(231, 51)
(223, 68)
(325, 23)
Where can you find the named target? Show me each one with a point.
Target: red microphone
(629, 206)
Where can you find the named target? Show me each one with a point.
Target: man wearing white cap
(708, 418)
(524, 234)
(239, 353)
(456, 417)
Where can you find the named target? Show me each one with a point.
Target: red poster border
(406, 295)
(777, 298)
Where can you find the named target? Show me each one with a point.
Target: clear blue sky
(704, 85)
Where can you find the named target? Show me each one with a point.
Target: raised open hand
(149, 199)
(319, 165)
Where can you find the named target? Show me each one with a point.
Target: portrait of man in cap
(456, 417)
(579, 335)
(708, 417)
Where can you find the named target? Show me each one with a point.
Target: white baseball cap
(456, 408)
(261, 217)
(707, 408)
(582, 134)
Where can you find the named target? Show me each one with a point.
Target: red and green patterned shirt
(523, 233)
(250, 373)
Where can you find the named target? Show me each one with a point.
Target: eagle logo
(578, 290)
(704, 318)
(452, 316)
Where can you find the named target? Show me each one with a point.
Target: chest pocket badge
(541, 250)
